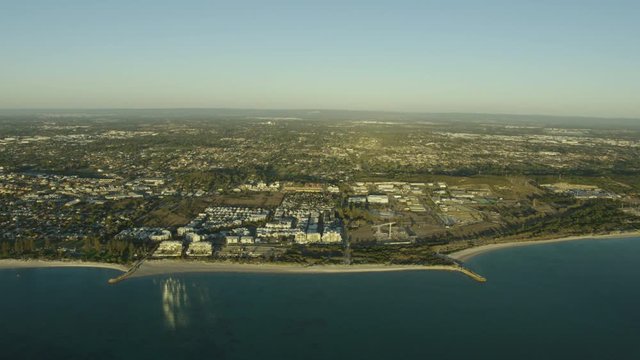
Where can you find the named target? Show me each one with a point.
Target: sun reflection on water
(175, 301)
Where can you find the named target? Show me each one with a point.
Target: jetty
(136, 265)
(459, 266)
(475, 276)
(128, 273)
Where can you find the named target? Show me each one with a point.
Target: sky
(558, 57)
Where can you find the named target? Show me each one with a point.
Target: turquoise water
(577, 300)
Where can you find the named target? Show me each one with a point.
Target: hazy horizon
(560, 58)
(314, 111)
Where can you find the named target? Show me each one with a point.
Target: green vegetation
(397, 255)
(314, 255)
(70, 184)
(590, 217)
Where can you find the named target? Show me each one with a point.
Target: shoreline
(160, 267)
(36, 263)
(172, 266)
(468, 253)
(168, 267)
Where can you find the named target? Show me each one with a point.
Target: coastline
(36, 263)
(166, 267)
(160, 267)
(172, 266)
(466, 254)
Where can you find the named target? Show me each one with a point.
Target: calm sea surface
(577, 300)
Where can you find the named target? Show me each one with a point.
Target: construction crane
(378, 227)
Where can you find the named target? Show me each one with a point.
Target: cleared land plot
(174, 212)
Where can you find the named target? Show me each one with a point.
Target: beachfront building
(331, 237)
(183, 230)
(300, 237)
(192, 237)
(247, 239)
(201, 248)
(232, 239)
(313, 236)
(168, 249)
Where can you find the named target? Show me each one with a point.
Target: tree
(4, 249)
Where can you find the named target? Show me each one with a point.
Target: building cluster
(390, 187)
(145, 233)
(241, 235)
(221, 217)
(195, 244)
(67, 180)
(221, 224)
(451, 205)
(303, 217)
(259, 186)
(579, 191)
(404, 193)
(200, 248)
(457, 205)
(169, 248)
(43, 186)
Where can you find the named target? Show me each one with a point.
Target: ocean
(571, 300)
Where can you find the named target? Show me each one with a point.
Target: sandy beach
(23, 264)
(157, 267)
(466, 254)
(171, 266)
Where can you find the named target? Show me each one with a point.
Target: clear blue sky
(579, 57)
